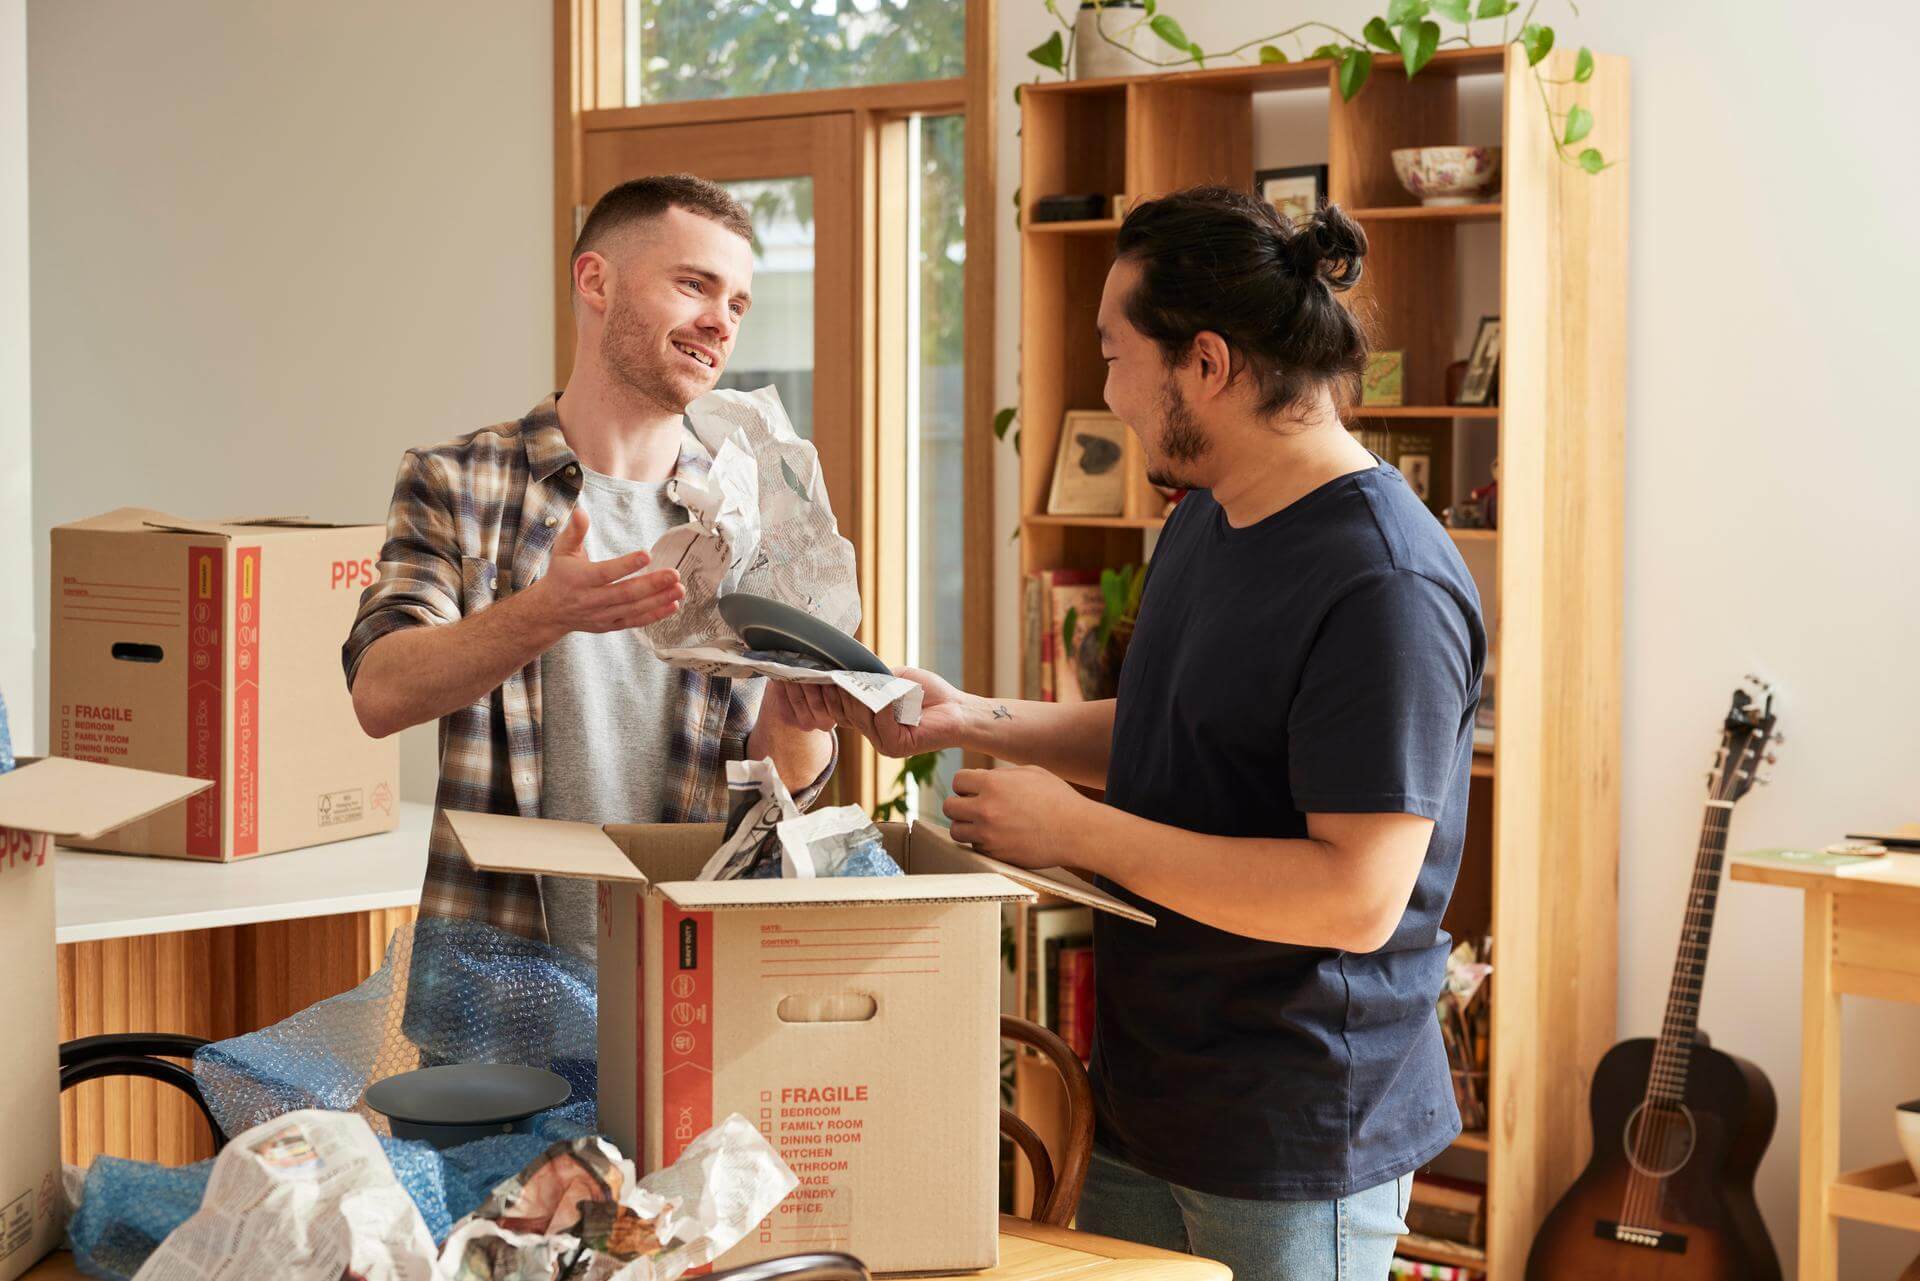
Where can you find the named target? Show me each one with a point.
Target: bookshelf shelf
(1473, 1141)
(1883, 1194)
(1077, 227)
(1435, 1250)
(1095, 522)
(1542, 889)
(1466, 413)
(1428, 213)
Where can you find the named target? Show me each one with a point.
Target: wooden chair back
(1056, 1185)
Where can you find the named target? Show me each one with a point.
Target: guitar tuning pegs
(1771, 759)
(1763, 779)
(1779, 739)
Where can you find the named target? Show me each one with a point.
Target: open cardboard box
(41, 802)
(854, 1020)
(212, 648)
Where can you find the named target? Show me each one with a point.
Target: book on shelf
(1064, 592)
(1431, 1271)
(1448, 1208)
(1049, 930)
(1032, 625)
(1076, 997)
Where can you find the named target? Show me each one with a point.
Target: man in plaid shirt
(514, 577)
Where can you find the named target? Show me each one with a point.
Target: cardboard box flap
(835, 891)
(543, 846)
(119, 520)
(298, 522)
(1061, 883)
(82, 800)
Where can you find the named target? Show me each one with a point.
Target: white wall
(274, 245)
(1772, 444)
(16, 436)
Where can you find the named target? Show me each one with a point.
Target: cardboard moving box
(856, 1021)
(213, 650)
(39, 802)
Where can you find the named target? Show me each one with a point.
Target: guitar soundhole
(1659, 1138)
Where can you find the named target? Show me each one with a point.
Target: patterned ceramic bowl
(1448, 175)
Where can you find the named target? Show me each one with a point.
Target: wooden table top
(1028, 1252)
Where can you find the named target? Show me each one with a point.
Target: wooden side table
(1860, 941)
(1028, 1252)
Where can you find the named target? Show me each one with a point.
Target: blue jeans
(1351, 1239)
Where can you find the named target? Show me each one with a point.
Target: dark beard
(1181, 440)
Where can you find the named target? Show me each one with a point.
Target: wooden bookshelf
(1539, 867)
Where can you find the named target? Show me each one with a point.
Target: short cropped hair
(647, 198)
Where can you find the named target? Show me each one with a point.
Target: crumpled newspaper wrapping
(310, 1196)
(767, 835)
(448, 991)
(761, 523)
(578, 1211)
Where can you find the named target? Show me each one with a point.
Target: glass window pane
(936, 203)
(775, 343)
(682, 50)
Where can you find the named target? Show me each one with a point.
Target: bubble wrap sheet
(448, 992)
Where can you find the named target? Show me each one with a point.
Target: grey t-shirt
(608, 707)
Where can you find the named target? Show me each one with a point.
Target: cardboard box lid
(1061, 883)
(82, 800)
(548, 847)
(137, 520)
(542, 846)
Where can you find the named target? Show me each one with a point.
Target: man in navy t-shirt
(1286, 769)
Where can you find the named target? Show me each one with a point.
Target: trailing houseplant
(1414, 30)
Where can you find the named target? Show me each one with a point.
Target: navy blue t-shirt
(1326, 659)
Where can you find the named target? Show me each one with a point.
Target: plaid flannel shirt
(473, 520)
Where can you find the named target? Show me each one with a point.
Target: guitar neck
(1672, 1055)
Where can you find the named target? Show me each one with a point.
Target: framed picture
(1089, 470)
(1294, 192)
(1483, 365)
(1384, 381)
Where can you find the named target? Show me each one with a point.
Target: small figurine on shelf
(1488, 496)
(1480, 509)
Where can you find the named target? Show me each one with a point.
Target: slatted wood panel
(211, 983)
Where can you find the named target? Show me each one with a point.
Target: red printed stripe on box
(205, 619)
(246, 702)
(686, 1026)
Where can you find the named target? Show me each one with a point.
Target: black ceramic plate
(766, 624)
(468, 1094)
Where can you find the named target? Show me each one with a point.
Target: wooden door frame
(589, 96)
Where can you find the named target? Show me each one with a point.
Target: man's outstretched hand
(945, 713)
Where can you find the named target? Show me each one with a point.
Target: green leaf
(1016, 95)
(1268, 53)
(1168, 30)
(1151, 6)
(1579, 124)
(1417, 45)
(1379, 33)
(1050, 53)
(1334, 52)
(1016, 446)
(1355, 66)
(1016, 200)
(1002, 421)
(1460, 11)
(1537, 41)
(1495, 8)
(1068, 628)
(1583, 66)
(793, 481)
(1592, 161)
(1399, 11)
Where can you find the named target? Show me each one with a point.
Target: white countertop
(107, 896)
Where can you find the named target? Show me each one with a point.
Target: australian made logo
(348, 806)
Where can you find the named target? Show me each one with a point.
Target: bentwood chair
(1056, 1186)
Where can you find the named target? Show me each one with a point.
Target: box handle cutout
(840, 1007)
(134, 652)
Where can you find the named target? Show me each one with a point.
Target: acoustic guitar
(1678, 1126)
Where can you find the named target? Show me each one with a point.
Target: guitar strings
(1645, 1191)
